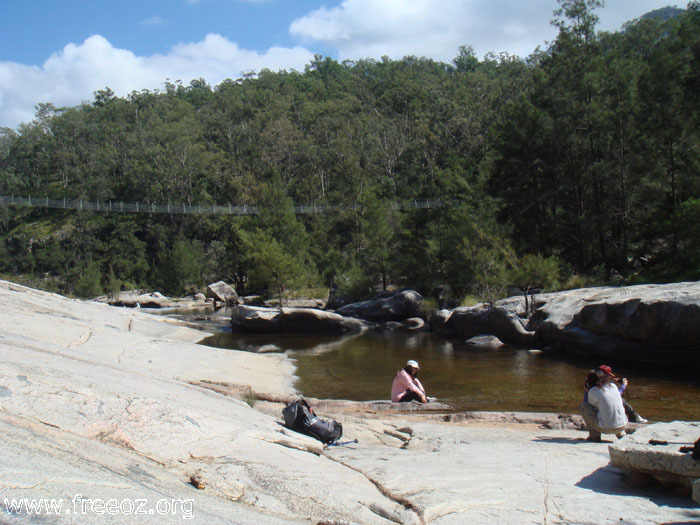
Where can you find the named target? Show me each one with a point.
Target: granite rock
(501, 322)
(656, 450)
(388, 306)
(222, 292)
(290, 320)
(84, 372)
(114, 403)
(644, 323)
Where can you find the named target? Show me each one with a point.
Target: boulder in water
(388, 306)
(289, 320)
(222, 292)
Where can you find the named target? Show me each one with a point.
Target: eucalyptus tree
(30, 157)
(573, 87)
(670, 125)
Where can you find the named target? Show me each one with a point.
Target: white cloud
(436, 28)
(76, 72)
(433, 28)
(355, 28)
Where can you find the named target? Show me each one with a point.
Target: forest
(577, 165)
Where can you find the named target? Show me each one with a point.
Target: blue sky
(62, 51)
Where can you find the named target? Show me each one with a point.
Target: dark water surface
(361, 368)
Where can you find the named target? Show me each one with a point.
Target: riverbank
(109, 404)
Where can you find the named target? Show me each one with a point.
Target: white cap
(413, 363)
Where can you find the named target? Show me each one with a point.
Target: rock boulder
(645, 323)
(388, 306)
(482, 319)
(288, 320)
(489, 341)
(656, 450)
(222, 292)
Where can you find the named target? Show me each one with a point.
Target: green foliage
(490, 273)
(373, 239)
(274, 268)
(534, 271)
(687, 226)
(354, 284)
(89, 283)
(125, 252)
(579, 281)
(114, 285)
(181, 269)
(4, 219)
(427, 307)
(585, 152)
(470, 300)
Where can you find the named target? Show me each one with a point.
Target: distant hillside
(664, 13)
(578, 166)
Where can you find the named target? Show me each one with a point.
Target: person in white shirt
(604, 413)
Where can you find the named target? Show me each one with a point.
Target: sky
(62, 51)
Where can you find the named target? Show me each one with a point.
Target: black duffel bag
(300, 417)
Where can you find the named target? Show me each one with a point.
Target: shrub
(182, 268)
(89, 284)
(470, 300)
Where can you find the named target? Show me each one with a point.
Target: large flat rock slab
(655, 450)
(113, 404)
(479, 473)
(129, 339)
(80, 475)
(88, 377)
(652, 323)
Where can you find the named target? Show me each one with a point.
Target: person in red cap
(406, 386)
(607, 370)
(604, 412)
(592, 380)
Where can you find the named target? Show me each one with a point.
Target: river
(361, 368)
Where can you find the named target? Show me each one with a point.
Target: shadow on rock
(612, 481)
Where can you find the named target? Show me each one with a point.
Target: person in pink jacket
(406, 386)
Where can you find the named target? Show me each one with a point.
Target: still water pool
(361, 368)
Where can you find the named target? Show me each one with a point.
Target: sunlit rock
(661, 450)
(289, 320)
(222, 292)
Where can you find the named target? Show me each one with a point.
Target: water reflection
(361, 368)
(264, 343)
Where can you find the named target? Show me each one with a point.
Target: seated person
(406, 386)
(592, 380)
(604, 412)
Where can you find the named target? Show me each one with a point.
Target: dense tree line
(581, 160)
